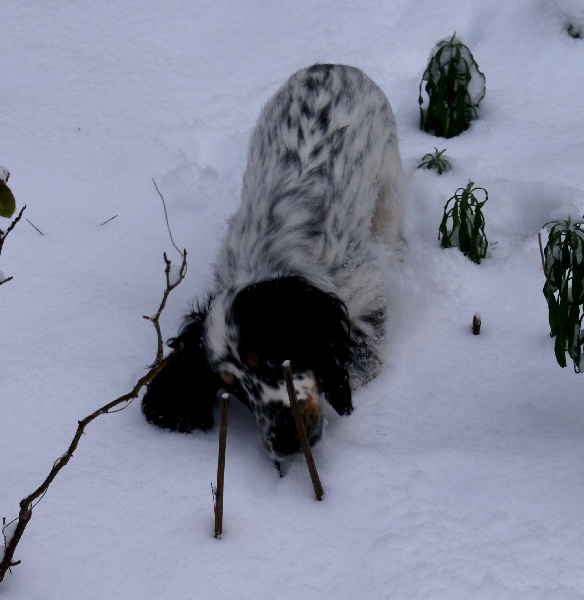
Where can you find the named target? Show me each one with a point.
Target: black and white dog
(298, 275)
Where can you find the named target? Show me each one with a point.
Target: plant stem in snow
(318, 491)
(4, 234)
(476, 325)
(224, 406)
(28, 503)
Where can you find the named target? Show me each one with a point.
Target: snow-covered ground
(461, 472)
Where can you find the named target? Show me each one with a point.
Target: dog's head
(250, 333)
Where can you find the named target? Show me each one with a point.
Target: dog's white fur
(323, 184)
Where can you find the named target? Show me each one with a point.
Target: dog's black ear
(181, 397)
(289, 319)
(334, 383)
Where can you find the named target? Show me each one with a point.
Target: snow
(460, 473)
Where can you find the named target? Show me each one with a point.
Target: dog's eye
(227, 378)
(252, 359)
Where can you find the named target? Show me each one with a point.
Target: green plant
(7, 202)
(454, 86)
(463, 224)
(564, 289)
(436, 162)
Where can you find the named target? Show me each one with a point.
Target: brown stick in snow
(476, 325)
(224, 406)
(318, 491)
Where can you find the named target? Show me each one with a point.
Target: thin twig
(4, 234)
(218, 492)
(170, 285)
(166, 216)
(541, 251)
(318, 491)
(111, 219)
(33, 225)
(28, 503)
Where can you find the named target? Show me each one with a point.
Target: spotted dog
(298, 276)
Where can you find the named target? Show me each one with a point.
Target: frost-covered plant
(454, 86)
(463, 224)
(436, 162)
(564, 289)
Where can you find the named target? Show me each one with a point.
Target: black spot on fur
(323, 119)
(306, 110)
(300, 136)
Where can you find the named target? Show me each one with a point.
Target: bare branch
(28, 503)
(170, 285)
(4, 234)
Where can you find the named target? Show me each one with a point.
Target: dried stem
(170, 285)
(28, 503)
(33, 226)
(218, 494)
(318, 491)
(4, 234)
(476, 325)
(110, 219)
(166, 216)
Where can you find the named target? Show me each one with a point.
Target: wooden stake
(224, 406)
(476, 325)
(318, 491)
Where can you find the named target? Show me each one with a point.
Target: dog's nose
(283, 439)
(286, 444)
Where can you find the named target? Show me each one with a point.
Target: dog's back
(323, 176)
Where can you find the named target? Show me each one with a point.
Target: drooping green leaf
(464, 222)
(7, 202)
(564, 289)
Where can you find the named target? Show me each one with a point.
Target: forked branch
(18, 525)
(4, 235)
